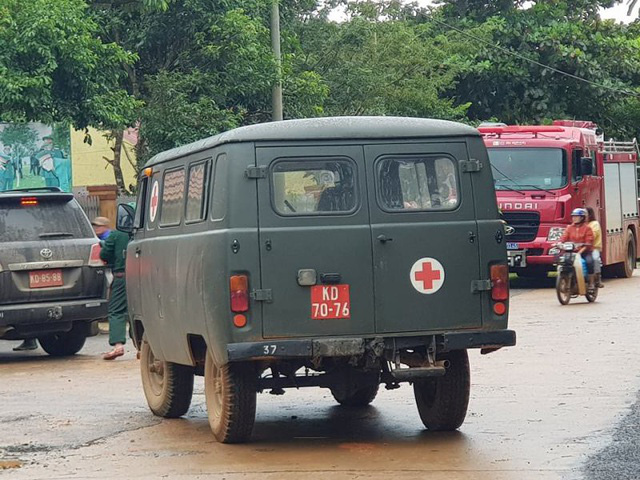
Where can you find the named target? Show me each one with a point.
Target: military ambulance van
(342, 253)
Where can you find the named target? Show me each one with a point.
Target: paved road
(562, 404)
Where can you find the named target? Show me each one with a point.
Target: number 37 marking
(269, 349)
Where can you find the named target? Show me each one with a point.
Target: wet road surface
(561, 404)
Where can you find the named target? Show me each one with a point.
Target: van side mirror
(124, 221)
(586, 166)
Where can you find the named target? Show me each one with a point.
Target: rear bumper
(44, 317)
(347, 347)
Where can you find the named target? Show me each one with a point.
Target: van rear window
(418, 183)
(314, 187)
(52, 220)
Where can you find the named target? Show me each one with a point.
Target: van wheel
(167, 386)
(442, 401)
(625, 269)
(230, 393)
(359, 398)
(64, 343)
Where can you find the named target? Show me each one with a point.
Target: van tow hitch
(418, 366)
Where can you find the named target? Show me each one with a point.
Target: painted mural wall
(35, 155)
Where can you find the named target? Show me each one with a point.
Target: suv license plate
(512, 246)
(330, 302)
(45, 278)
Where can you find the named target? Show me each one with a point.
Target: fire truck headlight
(555, 233)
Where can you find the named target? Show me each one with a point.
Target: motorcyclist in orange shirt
(580, 232)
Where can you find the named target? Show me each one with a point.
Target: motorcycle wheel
(591, 296)
(563, 289)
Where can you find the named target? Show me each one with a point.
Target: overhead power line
(535, 62)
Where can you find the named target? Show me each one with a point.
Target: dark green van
(342, 253)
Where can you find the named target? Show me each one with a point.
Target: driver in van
(580, 232)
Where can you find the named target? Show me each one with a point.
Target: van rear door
(424, 236)
(315, 242)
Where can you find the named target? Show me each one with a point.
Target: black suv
(52, 282)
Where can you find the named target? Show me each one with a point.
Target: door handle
(384, 239)
(138, 251)
(472, 237)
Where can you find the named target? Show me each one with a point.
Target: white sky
(618, 12)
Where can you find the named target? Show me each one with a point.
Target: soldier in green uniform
(56, 167)
(7, 169)
(113, 252)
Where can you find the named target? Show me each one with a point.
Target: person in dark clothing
(113, 252)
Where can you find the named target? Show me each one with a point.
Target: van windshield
(47, 220)
(528, 168)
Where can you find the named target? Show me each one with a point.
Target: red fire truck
(542, 173)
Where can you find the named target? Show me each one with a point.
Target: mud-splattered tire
(563, 288)
(442, 401)
(230, 393)
(359, 398)
(625, 269)
(64, 343)
(167, 386)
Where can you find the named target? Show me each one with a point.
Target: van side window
(196, 204)
(314, 187)
(138, 220)
(220, 182)
(418, 183)
(172, 198)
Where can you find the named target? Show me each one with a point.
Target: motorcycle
(572, 280)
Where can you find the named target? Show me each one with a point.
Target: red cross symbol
(154, 202)
(427, 275)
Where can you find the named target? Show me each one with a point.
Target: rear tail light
(28, 201)
(499, 282)
(239, 287)
(94, 256)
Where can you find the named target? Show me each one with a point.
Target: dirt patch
(8, 464)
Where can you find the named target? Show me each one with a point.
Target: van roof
(324, 129)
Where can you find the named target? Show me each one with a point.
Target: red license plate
(45, 278)
(330, 302)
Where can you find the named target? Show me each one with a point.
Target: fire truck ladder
(613, 147)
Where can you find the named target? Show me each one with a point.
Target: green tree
(204, 67)
(506, 74)
(381, 62)
(53, 67)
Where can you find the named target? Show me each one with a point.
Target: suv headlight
(555, 233)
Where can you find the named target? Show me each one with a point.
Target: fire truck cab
(541, 173)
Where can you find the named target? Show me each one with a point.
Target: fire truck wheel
(167, 386)
(442, 401)
(625, 269)
(230, 393)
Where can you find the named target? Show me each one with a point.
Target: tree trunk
(117, 136)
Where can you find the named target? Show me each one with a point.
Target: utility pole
(276, 94)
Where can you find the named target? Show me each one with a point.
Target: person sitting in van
(597, 244)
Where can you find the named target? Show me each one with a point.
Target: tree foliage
(53, 66)
(186, 69)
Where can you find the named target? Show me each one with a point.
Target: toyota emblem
(46, 253)
(509, 230)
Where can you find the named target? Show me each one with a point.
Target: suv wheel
(230, 393)
(442, 401)
(64, 343)
(168, 387)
